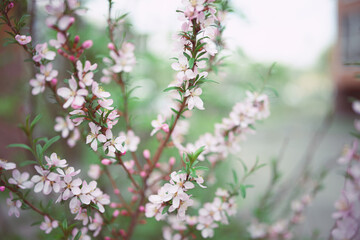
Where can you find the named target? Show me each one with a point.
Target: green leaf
(20, 145)
(198, 152)
(186, 55)
(36, 223)
(166, 208)
(78, 116)
(50, 142)
(201, 168)
(36, 119)
(357, 135)
(78, 235)
(236, 180)
(172, 88)
(191, 63)
(27, 162)
(65, 224)
(200, 46)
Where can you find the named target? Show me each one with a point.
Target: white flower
(55, 161)
(42, 52)
(114, 144)
(23, 39)
(6, 165)
(48, 72)
(73, 97)
(193, 99)
(70, 188)
(21, 180)
(84, 235)
(74, 137)
(64, 125)
(38, 84)
(94, 136)
(158, 124)
(183, 67)
(94, 171)
(132, 141)
(85, 73)
(257, 230)
(48, 225)
(46, 181)
(61, 39)
(13, 206)
(96, 224)
(206, 225)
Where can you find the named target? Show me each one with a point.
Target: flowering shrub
(163, 189)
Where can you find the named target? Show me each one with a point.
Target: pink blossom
(158, 124)
(42, 52)
(48, 225)
(193, 99)
(58, 43)
(21, 179)
(94, 136)
(94, 171)
(38, 84)
(96, 224)
(14, 206)
(6, 165)
(64, 125)
(23, 39)
(73, 97)
(74, 137)
(48, 72)
(46, 181)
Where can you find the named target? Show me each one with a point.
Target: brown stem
(127, 171)
(113, 184)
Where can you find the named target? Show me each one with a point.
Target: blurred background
(314, 45)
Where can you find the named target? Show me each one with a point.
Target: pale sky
(287, 31)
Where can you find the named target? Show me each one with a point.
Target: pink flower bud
(124, 212)
(60, 51)
(87, 44)
(157, 165)
(146, 154)
(116, 191)
(142, 209)
(2, 188)
(107, 238)
(76, 39)
(123, 153)
(165, 127)
(72, 58)
(130, 189)
(143, 174)
(106, 161)
(122, 232)
(116, 213)
(53, 82)
(111, 46)
(10, 5)
(113, 205)
(172, 161)
(134, 198)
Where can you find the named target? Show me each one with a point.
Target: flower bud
(134, 198)
(146, 154)
(172, 161)
(165, 127)
(107, 238)
(76, 39)
(113, 205)
(143, 174)
(124, 212)
(87, 44)
(2, 188)
(53, 82)
(10, 5)
(106, 161)
(116, 191)
(111, 46)
(142, 209)
(116, 213)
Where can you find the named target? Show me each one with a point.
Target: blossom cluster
(281, 229)
(347, 206)
(231, 131)
(172, 197)
(121, 61)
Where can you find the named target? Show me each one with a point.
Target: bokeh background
(311, 117)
